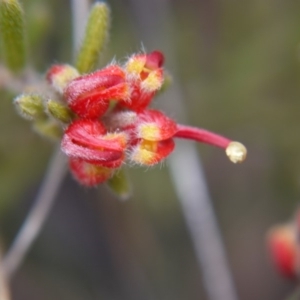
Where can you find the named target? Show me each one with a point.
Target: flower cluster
(109, 120)
(283, 244)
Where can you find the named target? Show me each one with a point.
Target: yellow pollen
(145, 153)
(148, 145)
(153, 82)
(150, 132)
(236, 152)
(135, 66)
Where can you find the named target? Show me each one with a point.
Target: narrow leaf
(12, 34)
(96, 34)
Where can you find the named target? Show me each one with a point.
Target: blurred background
(238, 66)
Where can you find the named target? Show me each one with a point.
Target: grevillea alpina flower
(100, 137)
(282, 244)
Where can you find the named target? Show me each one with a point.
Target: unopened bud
(30, 106)
(60, 75)
(60, 112)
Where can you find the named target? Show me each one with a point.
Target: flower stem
(36, 217)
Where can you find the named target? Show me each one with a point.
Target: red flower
(89, 174)
(282, 244)
(130, 130)
(89, 141)
(89, 95)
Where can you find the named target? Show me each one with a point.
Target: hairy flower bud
(59, 111)
(88, 95)
(60, 75)
(88, 140)
(30, 106)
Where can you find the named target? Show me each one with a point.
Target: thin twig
(57, 169)
(37, 215)
(185, 167)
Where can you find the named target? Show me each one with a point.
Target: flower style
(111, 122)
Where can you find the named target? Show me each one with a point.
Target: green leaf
(96, 34)
(12, 31)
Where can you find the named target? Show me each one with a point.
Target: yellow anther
(153, 82)
(135, 65)
(236, 152)
(150, 132)
(145, 153)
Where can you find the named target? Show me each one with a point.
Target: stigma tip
(236, 152)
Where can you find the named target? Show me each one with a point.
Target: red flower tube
(89, 95)
(89, 141)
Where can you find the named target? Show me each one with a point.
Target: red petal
(139, 100)
(150, 153)
(89, 95)
(282, 245)
(87, 139)
(89, 174)
(153, 125)
(155, 60)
